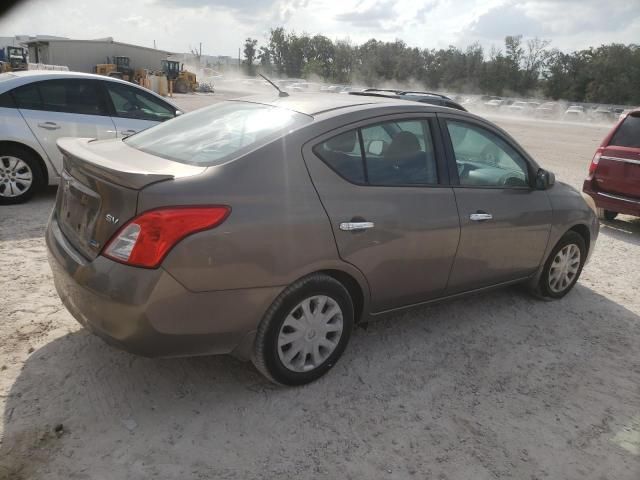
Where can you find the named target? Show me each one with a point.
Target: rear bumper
(613, 202)
(148, 312)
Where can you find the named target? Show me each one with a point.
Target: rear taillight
(145, 240)
(594, 161)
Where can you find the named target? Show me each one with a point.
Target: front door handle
(49, 125)
(480, 216)
(355, 226)
(126, 133)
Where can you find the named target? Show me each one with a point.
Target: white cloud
(222, 26)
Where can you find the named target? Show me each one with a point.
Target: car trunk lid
(100, 185)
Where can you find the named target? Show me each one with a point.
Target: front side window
(212, 135)
(484, 159)
(131, 102)
(398, 152)
(628, 133)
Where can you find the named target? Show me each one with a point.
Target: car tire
(563, 267)
(606, 214)
(305, 331)
(20, 175)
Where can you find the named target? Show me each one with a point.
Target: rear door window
(68, 96)
(403, 156)
(398, 152)
(131, 102)
(628, 133)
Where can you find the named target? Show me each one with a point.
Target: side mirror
(375, 147)
(179, 112)
(545, 179)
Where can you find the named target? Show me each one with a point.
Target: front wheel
(564, 265)
(305, 331)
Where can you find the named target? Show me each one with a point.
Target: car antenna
(280, 92)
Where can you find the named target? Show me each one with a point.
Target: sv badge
(111, 219)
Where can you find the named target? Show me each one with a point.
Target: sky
(223, 25)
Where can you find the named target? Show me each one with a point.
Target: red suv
(614, 173)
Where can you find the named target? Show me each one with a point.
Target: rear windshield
(213, 135)
(628, 133)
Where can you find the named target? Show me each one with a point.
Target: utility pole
(154, 44)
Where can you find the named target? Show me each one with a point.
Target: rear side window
(628, 133)
(343, 154)
(67, 96)
(131, 102)
(6, 100)
(28, 97)
(213, 135)
(395, 153)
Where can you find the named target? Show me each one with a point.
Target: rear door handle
(126, 133)
(354, 226)
(480, 216)
(49, 125)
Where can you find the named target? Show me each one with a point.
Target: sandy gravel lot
(492, 386)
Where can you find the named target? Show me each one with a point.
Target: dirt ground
(493, 386)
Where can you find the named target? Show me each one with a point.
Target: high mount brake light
(145, 240)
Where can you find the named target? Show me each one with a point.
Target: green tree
(250, 54)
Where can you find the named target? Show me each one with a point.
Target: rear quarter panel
(276, 233)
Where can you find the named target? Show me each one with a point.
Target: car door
(505, 223)
(393, 215)
(134, 109)
(69, 107)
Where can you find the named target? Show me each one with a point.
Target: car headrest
(403, 143)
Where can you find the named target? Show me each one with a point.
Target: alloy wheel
(16, 176)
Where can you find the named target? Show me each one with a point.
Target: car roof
(24, 77)
(315, 103)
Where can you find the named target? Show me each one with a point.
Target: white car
(38, 107)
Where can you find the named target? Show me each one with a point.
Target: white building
(83, 55)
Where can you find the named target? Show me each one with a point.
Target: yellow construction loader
(183, 80)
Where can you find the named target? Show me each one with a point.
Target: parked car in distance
(614, 173)
(494, 104)
(39, 106)
(521, 107)
(268, 228)
(548, 110)
(574, 112)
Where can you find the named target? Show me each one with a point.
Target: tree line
(606, 74)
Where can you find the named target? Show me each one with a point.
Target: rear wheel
(20, 175)
(606, 214)
(305, 331)
(563, 267)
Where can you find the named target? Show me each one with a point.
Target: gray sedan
(269, 227)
